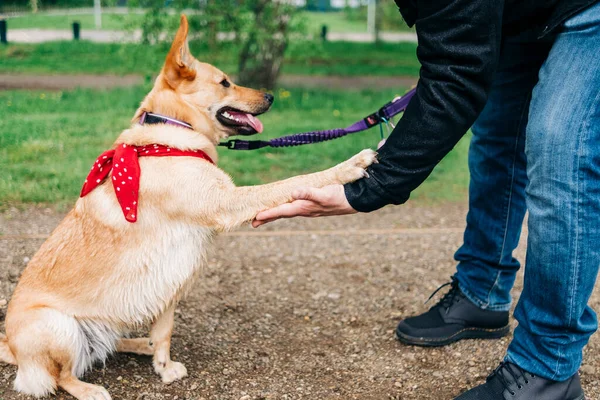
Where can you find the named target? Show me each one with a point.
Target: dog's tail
(6, 356)
(35, 380)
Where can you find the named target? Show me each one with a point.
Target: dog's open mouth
(244, 123)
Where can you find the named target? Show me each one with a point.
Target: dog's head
(203, 96)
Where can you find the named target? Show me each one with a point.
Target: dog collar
(151, 118)
(124, 164)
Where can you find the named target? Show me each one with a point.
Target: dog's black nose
(269, 97)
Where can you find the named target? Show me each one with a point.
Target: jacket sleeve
(459, 45)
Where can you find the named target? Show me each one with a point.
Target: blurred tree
(261, 28)
(220, 16)
(379, 10)
(34, 5)
(265, 43)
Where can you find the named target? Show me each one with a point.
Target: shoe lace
(450, 297)
(506, 382)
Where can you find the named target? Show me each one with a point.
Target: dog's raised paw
(172, 372)
(355, 168)
(365, 158)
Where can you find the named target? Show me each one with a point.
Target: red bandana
(126, 171)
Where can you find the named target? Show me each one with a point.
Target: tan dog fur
(97, 276)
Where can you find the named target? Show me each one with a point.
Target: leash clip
(235, 144)
(380, 116)
(238, 144)
(376, 118)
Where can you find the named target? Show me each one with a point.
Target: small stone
(319, 295)
(588, 370)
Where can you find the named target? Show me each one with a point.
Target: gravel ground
(302, 309)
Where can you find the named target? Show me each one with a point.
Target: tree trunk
(378, 21)
(264, 48)
(212, 35)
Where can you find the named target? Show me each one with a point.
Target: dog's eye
(225, 83)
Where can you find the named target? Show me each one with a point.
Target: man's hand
(309, 202)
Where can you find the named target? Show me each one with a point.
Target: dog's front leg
(241, 204)
(160, 339)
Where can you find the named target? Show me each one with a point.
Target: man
(527, 74)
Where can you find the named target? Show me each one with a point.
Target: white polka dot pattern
(127, 190)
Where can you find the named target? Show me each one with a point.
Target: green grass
(48, 140)
(304, 57)
(339, 22)
(45, 21)
(335, 21)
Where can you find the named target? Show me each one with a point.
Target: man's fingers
(283, 211)
(256, 224)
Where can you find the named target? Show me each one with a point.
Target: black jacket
(459, 43)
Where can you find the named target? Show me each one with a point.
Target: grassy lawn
(339, 22)
(49, 139)
(45, 21)
(304, 57)
(335, 21)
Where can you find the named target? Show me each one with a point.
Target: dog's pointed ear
(179, 65)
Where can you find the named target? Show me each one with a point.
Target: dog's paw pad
(172, 372)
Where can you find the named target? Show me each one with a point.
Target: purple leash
(384, 114)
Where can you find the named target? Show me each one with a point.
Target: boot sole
(467, 333)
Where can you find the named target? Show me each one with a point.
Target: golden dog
(98, 276)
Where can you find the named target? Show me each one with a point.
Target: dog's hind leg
(140, 346)
(160, 336)
(35, 345)
(6, 354)
(82, 390)
(51, 349)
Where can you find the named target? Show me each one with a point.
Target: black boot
(453, 318)
(509, 382)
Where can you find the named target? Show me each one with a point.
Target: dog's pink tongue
(249, 119)
(255, 123)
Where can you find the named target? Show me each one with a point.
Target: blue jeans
(536, 147)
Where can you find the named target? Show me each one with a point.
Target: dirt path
(65, 82)
(61, 82)
(303, 309)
